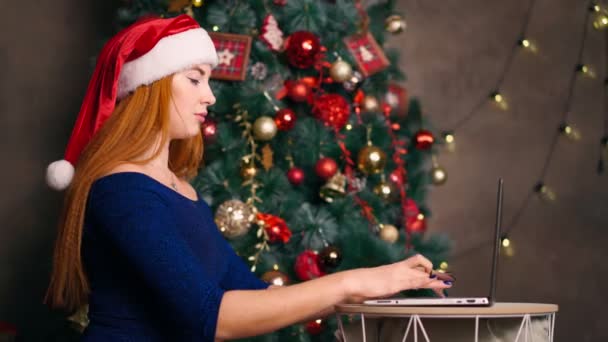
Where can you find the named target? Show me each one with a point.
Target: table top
(497, 309)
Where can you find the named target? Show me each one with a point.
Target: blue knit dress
(157, 264)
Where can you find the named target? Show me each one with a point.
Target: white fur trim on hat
(170, 55)
(59, 174)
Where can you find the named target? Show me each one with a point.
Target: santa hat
(144, 52)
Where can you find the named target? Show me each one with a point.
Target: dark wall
(46, 50)
(452, 52)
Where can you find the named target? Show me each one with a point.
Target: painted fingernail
(433, 276)
(447, 282)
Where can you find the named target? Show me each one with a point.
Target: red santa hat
(144, 52)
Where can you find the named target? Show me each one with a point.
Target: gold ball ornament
(438, 175)
(389, 233)
(340, 71)
(197, 3)
(371, 160)
(274, 277)
(234, 218)
(394, 24)
(248, 169)
(383, 190)
(370, 104)
(264, 128)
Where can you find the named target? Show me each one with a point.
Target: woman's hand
(387, 280)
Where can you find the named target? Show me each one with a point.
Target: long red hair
(129, 132)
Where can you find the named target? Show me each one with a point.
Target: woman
(136, 242)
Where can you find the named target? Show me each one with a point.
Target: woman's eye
(194, 81)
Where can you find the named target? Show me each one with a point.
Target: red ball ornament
(307, 266)
(280, 2)
(298, 91)
(295, 175)
(326, 167)
(332, 109)
(209, 128)
(275, 227)
(303, 49)
(416, 224)
(424, 139)
(314, 327)
(285, 119)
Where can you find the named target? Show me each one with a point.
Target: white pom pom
(59, 174)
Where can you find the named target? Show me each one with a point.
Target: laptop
(463, 301)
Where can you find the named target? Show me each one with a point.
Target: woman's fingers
(418, 261)
(424, 282)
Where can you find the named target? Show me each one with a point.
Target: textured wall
(46, 58)
(453, 52)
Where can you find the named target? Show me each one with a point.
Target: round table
(499, 310)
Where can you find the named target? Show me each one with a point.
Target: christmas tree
(316, 161)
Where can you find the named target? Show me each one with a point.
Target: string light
(523, 42)
(586, 70)
(448, 137)
(544, 192)
(569, 131)
(215, 28)
(565, 128)
(600, 22)
(500, 100)
(527, 44)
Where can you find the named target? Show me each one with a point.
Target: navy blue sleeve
(239, 277)
(139, 225)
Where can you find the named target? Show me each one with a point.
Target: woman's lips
(200, 117)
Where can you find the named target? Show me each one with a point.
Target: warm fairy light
(586, 70)
(506, 242)
(420, 217)
(215, 28)
(527, 44)
(449, 138)
(349, 127)
(275, 267)
(443, 265)
(544, 192)
(596, 8)
(500, 100)
(569, 131)
(600, 22)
